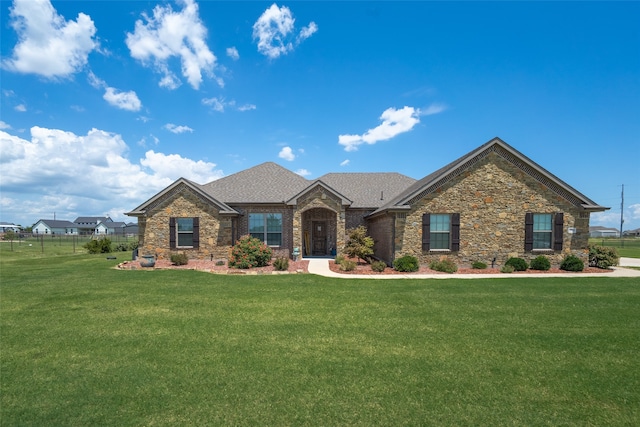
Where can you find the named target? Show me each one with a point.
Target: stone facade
(216, 231)
(319, 204)
(492, 198)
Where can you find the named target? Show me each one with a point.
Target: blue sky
(104, 103)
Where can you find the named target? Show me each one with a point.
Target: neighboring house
(88, 224)
(493, 202)
(110, 227)
(9, 226)
(632, 233)
(52, 226)
(599, 231)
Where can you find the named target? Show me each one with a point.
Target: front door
(319, 238)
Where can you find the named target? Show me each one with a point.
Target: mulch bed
(363, 268)
(211, 267)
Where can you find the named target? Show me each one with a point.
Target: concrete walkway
(320, 266)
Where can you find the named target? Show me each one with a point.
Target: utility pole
(622, 214)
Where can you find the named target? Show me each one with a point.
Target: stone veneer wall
(319, 199)
(492, 199)
(215, 230)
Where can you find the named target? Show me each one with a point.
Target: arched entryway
(319, 227)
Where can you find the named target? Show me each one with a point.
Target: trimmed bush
(407, 263)
(179, 259)
(572, 263)
(348, 265)
(99, 246)
(249, 252)
(339, 259)
(518, 264)
(378, 266)
(281, 264)
(603, 256)
(445, 264)
(125, 247)
(540, 262)
(479, 265)
(359, 244)
(507, 269)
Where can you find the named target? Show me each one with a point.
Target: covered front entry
(319, 232)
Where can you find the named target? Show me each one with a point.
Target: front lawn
(85, 344)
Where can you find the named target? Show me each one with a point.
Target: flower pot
(147, 261)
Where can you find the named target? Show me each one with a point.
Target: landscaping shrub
(179, 259)
(507, 269)
(125, 247)
(249, 252)
(518, 264)
(445, 264)
(540, 262)
(281, 264)
(603, 256)
(348, 265)
(378, 266)
(359, 244)
(479, 265)
(572, 263)
(219, 262)
(99, 246)
(407, 263)
(339, 259)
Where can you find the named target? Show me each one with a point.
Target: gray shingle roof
(265, 183)
(368, 190)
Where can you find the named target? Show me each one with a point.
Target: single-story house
(116, 228)
(632, 233)
(493, 202)
(600, 231)
(88, 224)
(52, 226)
(9, 226)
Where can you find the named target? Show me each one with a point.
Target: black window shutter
(426, 230)
(455, 232)
(558, 226)
(196, 232)
(172, 233)
(528, 232)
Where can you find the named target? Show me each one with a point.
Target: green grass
(84, 344)
(628, 248)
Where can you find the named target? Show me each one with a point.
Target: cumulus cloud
(168, 34)
(4, 125)
(65, 166)
(394, 122)
(634, 211)
(48, 45)
(124, 100)
(287, 154)
(220, 104)
(275, 31)
(232, 53)
(303, 172)
(177, 129)
(21, 108)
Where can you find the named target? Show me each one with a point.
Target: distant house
(88, 224)
(492, 203)
(52, 226)
(599, 231)
(632, 233)
(9, 226)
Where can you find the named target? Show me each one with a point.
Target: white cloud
(4, 125)
(177, 129)
(274, 31)
(394, 122)
(634, 211)
(303, 172)
(166, 34)
(232, 53)
(287, 154)
(219, 104)
(123, 100)
(88, 172)
(434, 108)
(21, 108)
(48, 45)
(345, 162)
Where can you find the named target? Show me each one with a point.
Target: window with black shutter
(543, 231)
(441, 232)
(184, 233)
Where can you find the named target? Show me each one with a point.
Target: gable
(368, 190)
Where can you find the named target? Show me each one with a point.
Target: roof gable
(265, 183)
(343, 200)
(368, 190)
(435, 180)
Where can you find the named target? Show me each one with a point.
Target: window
(441, 232)
(543, 231)
(184, 233)
(266, 227)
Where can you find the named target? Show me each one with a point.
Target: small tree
(359, 244)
